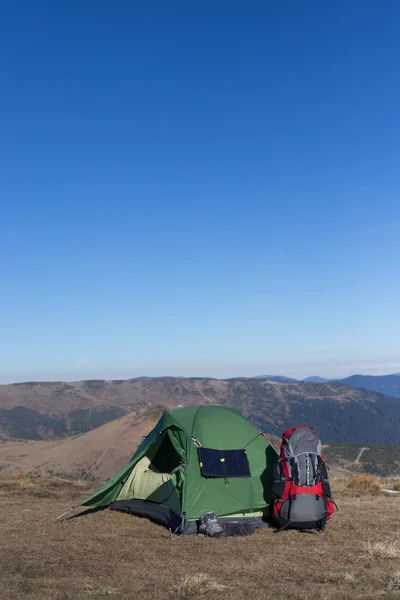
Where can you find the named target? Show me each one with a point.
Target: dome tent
(196, 459)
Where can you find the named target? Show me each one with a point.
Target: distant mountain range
(277, 378)
(283, 379)
(340, 413)
(383, 384)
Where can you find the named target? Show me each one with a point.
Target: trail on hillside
(357, 461)
(10, 462)
(103, 454)
(203, 394)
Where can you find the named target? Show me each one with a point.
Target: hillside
(377, 459)
(98, 454)
(340, 413)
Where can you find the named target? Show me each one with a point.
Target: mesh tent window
(223, 463)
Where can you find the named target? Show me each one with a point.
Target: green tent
(196, 459)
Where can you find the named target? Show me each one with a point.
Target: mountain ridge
(101, 452)
(383, 384)
(339, 412)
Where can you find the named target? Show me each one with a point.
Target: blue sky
(206, 188)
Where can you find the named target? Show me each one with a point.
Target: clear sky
(199, 188)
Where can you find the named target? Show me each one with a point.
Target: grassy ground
(122, 557)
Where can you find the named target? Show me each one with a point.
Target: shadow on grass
(88, 511)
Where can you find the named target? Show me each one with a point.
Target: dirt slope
(97, 454)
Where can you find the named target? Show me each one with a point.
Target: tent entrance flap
(143, 481)
(145, 484)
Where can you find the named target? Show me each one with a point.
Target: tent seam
(188, 455)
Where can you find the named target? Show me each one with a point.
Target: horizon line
(265, 377)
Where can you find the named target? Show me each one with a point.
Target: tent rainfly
(197, 459)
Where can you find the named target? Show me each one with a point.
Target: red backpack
(302, 494)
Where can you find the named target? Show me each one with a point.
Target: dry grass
(123, 557)
(382, 548)
(396, 486)
(195, 586)
(100, 592)
(337, 577)
(364, 483)
(41, 487)
(12, 477)
(394, 581)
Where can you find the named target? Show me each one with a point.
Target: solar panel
(223, 463)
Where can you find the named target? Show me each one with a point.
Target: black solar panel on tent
(223, 463)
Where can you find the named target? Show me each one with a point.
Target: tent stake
(183, 522)
(65, 515)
